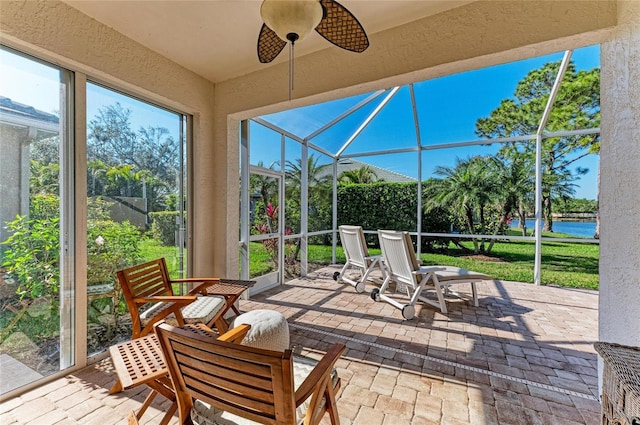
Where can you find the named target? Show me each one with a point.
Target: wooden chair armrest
(235, 335)
(178, 299)
(195, 279)
(319, 373)
(199, 289)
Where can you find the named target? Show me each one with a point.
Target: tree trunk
(482, 228)
(469, 216)
(506, 210)
(522, 218)
(546, 214)
(503, 220)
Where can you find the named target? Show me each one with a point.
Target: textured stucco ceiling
(217, 38)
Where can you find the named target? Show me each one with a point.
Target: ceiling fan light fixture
(291, 18)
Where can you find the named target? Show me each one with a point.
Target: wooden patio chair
(149, 294)
(219, 382)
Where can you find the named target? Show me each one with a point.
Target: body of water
(584, 229)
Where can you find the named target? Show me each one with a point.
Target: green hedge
(390, 206)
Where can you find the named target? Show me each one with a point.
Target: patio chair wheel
(360, 287)
(335, 276)
(375, 294)
(408, 312)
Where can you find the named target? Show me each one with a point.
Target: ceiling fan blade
(269, 44)
(341, 28)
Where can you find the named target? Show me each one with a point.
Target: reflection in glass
(36, 337)
(135, 202)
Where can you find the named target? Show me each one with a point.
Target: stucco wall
(619, 181)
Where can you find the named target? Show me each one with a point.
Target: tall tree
(466, 190)
(319, 190)
(148, 157)
(577, 106)
(513, 192)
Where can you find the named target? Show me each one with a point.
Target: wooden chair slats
(232, 377)
(224, 397)
(224, 358)
(148, 283)
(261, 392)
(262, 381)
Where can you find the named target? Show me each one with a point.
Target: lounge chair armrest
(321, 371)
(178, 299)
(235, 335)
(428, 269)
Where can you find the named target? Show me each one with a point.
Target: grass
(150, 249)
(563, 264)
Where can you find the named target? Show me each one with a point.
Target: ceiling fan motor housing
(291, 20)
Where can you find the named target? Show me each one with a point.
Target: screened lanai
(536, 120)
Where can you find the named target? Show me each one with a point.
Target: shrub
(33, 256)
(164, 226)
(111, 246)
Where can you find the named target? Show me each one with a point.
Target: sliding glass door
(136, 198)
(36, 221)
(135, 202)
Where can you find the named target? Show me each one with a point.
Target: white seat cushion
(202, 310)
(269, 329)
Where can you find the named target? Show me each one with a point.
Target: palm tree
(362, 175)
(319, 189)
(465, 189)
(315, 173)
(516, 185)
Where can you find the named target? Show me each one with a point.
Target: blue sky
(35, 84)
(448, 108)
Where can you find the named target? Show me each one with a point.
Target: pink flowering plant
(270, 224)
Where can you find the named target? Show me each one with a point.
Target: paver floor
(524, 356)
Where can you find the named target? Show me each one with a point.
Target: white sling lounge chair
(402, 267)
(357, 254)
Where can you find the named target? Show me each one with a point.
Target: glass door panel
(36, 282)
(136, 197)
(265, 247)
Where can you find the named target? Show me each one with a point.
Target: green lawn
(563, 264)
(151, 249)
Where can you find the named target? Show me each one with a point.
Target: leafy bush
(33, 256)
(164, 227)
(111, 246)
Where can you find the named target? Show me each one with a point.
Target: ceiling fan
(291, 20)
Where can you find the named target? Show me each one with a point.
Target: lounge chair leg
(474, 291)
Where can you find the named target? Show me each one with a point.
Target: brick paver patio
(524, 356)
